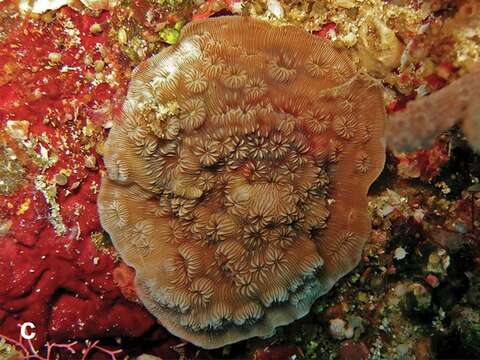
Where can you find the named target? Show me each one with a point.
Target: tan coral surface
(237, 178)
(426, 117)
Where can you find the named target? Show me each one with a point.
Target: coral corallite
(237, 177)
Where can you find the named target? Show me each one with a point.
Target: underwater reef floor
(63, 77)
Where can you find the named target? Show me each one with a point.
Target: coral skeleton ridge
(237, 177)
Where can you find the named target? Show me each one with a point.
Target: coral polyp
(244, 201)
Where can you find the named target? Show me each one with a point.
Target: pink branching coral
(237, 178)
(24, 349)
(425, 118)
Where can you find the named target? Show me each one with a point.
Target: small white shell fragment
(18, 129)
(99, 4)
(339, 329)
(236, 7)
(54, 57)
(5, 227)
(275, 8)
(385, 210)
(418, 215)
(400, 253)
(41, 6)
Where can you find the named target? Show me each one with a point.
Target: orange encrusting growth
(124, 277)
(238, 176)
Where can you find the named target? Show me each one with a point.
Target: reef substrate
(64, 74)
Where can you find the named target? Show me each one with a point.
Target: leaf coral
(257, 205)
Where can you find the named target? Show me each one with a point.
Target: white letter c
(23, 331)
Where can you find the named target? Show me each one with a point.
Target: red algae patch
(237, 178)
(51, 273)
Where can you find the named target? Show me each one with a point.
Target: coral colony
(239, 179)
